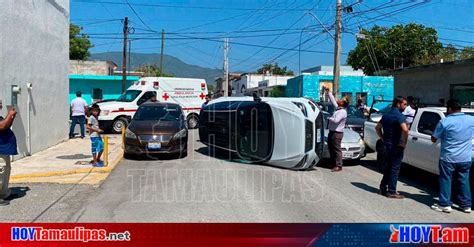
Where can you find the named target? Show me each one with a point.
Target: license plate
(347, 155)
(154, 145)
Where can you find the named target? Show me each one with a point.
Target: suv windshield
(129, 96)
(149, 113)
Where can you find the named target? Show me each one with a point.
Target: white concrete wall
(252, 81)
(34, 48)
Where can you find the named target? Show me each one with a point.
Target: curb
(107, 169)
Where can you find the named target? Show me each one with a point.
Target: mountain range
(172, 65)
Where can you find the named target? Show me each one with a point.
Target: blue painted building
(352, 87)
(97, 87)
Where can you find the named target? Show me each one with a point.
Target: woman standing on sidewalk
(7, 148)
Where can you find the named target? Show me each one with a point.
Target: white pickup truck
(420, 151)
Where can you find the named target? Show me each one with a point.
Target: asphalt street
(202, 188)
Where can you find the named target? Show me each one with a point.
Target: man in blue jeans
(393, 130)
(455, 133)
(78, 114)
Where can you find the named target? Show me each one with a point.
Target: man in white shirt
(410, 111)
(78, 114)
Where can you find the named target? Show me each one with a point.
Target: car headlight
(182, 133)
(361, 142)
(105, 112)
(129, 134)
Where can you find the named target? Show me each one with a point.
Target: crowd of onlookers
(455, 132)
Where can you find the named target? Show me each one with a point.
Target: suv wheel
(118, 124)
(193, 122)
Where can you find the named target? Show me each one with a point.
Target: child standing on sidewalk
(96, 141)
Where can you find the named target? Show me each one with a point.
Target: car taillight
(143, 83)
(203, 86)
(156, 84)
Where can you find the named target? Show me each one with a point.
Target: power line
(387, 14)
(398, 21)
(96, 22)
(236, 31)
(213, 22)
(137, 15)
(457, 40)
(191, 7)
(155, 36)
(273, 40)
(245, 44)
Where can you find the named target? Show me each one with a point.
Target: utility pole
(129, 54)
(226, 67)
(124, 59)
(162, 50)
(337, 48)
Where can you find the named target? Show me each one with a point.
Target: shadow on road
(17, 192)
(230, 157)
(425, 182)
(326, 164)
(365, 187)
(150, 157)
(74, 157)
(216, 153)
(420, 198)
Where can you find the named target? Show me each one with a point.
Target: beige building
(79, 67)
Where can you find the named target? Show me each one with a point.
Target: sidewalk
(67, 162)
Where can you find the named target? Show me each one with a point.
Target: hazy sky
(259, 30)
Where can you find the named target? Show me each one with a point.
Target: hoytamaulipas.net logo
(435, 234)
(73, 234)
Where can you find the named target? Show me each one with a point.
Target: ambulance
(189, 93)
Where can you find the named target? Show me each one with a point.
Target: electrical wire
(137, 15)
(227, 8)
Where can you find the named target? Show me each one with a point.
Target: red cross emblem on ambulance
(202, 96)
(165, 96)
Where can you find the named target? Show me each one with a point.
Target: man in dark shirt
(393, 130)
(208, 99)
(7, 148)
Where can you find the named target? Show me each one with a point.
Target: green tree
(275, 70)
(467, 53)
(210, 88)
(385, 48)
(152, 70)
(278, 91)
(448, 54)
(79, 44)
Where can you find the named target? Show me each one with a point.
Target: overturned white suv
(283, 132)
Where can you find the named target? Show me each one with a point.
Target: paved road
(200, 188)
